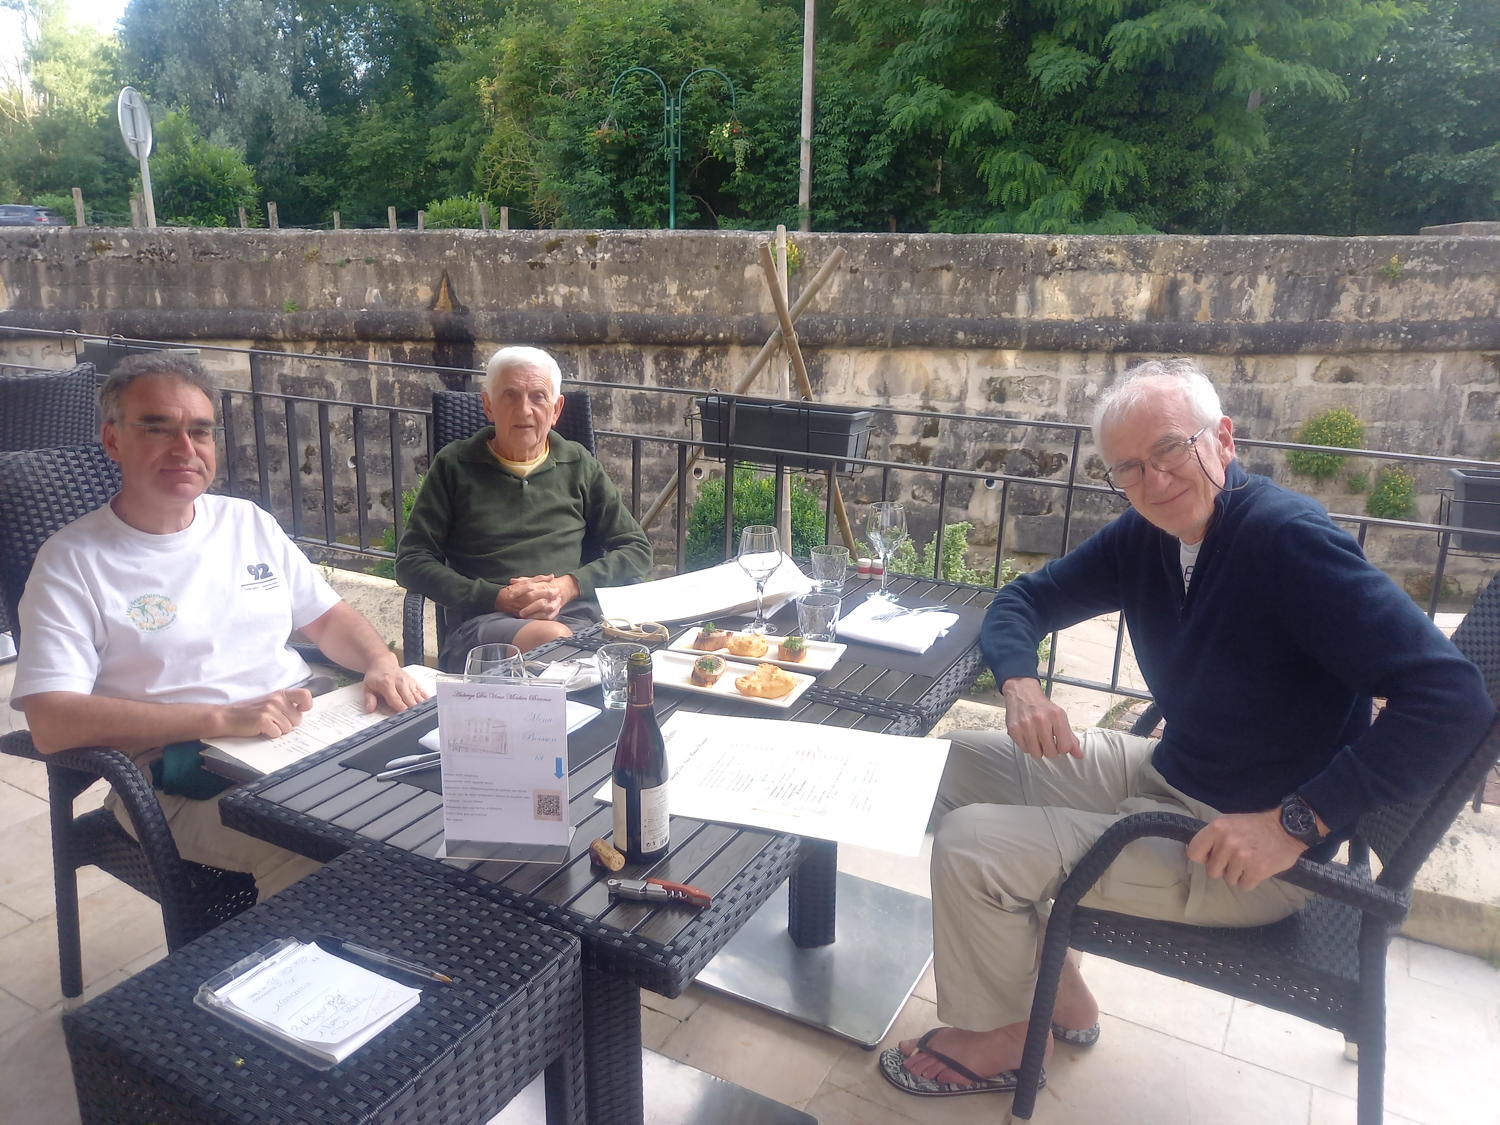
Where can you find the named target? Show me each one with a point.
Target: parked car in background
(25, 215)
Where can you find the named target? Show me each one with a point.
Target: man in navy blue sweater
(1263, 634)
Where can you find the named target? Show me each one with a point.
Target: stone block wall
(1403, 331)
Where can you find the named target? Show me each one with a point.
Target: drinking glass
(818, 616)
(829, 565)
(760, 555)
(885, 528)
(494, 663)
(614, 672)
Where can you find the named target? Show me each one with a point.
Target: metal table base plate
(676, 1094)
(855, 987)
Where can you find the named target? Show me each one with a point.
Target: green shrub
(906, 559)
(754, 497)
(1338, 427)
(1358, 482)
(457, 211)
(1394, 496)
(386, 568)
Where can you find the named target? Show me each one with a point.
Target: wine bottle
(639, 789)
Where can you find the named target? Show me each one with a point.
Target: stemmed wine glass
(760, 555)
(885, 528)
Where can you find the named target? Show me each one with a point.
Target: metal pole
(804, 147)
(146, 192)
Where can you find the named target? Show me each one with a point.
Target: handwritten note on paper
(874, 790)
(505, 770)
(317, 1000)
(716, 591)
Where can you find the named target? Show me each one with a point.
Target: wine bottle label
(655, 831)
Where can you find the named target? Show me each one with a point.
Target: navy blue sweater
(1264, 672)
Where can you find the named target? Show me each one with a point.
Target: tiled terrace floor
(1171, 1054)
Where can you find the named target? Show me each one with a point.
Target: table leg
(813, 897)
(612, 1048)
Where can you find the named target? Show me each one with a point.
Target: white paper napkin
(911, 632)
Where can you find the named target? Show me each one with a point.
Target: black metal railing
(332, 467)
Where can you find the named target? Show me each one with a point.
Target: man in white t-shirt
(163, 618)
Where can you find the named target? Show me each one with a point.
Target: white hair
(521, 356)
(1153, 375)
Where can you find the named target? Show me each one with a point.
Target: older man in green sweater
(515, 527)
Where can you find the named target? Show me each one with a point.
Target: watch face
(1299, 821)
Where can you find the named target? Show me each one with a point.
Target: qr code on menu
(546, 804)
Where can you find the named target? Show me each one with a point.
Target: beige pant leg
(1018, 827)
(202, 838)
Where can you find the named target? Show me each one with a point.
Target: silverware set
(904, 611)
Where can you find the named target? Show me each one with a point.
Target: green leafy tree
(196, 182)
(1416, 143)
(1340, 427)
(1081, 115)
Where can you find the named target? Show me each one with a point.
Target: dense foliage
(1337, 116)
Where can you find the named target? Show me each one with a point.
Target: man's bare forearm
(64, 720)
(345, 637)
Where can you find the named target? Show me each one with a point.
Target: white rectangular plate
(675, 669)
(821, 655)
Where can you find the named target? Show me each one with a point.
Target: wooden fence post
(136, 219)
(484, 215)
(78, 207)
(244, 218)
(421, 220)
(271, 217)
(390, 214)
(337, 222)
(505, 218)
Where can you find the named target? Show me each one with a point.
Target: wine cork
(604, 854)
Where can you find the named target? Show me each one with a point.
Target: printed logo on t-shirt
(261, 578)
(151, 612)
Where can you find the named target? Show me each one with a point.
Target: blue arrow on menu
(559, 767)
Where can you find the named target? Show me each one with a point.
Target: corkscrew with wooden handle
(658, 890)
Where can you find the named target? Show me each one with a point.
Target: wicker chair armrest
(122, 775)
(412, 642)
(1338, 883)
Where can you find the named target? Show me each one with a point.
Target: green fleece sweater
(476, 525)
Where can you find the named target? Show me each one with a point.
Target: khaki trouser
(202, 838)
(1016, 826)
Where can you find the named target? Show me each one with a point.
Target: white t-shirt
(196, 616)
(1187, 557)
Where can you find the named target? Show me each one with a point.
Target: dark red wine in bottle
(640, 780)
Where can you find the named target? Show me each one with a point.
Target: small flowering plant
(727, 142)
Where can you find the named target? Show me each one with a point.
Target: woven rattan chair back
(41, 491)
(457, 414)
(45, 409)
(1404, 835)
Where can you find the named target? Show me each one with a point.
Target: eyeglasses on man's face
(1168, 455)
(169, 435)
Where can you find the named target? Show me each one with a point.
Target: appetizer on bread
(707, 670)
(792, 648)
(711, 638)
(766, 682)
(747, 644)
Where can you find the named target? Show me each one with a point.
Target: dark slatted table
(321, 808)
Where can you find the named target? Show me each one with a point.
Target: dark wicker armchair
(457, 414)
(1325, 963)
(46, 409)
(41, 491)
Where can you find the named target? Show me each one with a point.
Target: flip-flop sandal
(1074, 1037)
(893, 1068)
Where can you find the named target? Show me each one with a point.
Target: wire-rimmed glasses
(885, 528)
(1168, 455)
(760, 555)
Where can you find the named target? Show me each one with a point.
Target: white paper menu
(505, 770)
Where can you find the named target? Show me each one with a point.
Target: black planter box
(1476, 504)
(790, 427)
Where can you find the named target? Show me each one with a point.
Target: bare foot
(986, 1053)
(1076, 1007)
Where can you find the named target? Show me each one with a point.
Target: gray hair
(521, 356)
(1137, 384)
(153, 365)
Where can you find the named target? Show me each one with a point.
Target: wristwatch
(1299, 821)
